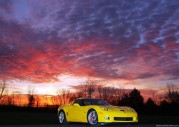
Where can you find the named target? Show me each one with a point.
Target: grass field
(27, 117)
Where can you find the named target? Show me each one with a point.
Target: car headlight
(132, 110)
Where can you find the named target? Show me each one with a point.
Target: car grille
(123, 118)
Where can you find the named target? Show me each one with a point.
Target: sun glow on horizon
(47, 92)
(68, 82)
(49, 88)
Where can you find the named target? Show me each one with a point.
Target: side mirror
(76, 104)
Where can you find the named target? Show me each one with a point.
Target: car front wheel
(92, 117)
(62, 117)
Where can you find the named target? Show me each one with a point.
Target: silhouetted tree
(111, 94)
(88, 87)
(37, 101)
(150, 106)
(100, 91)
(125, 100)
(164, 103)
(3, 87)
(16, 100)
(165, 107)
(63, 95)
(133, 99)
(106, 93)
(31, 99)
(136, 99)
(150, 102)
(80, 94)
(117, 94)
(172, 94)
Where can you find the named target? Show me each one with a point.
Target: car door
(76, 112)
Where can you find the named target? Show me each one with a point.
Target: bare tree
(100, 91)
(103, 92)
(110, 94)
(10, 100)
(106, 93)
(16, 99)
(88, 87)
(155, 98)
(80, 94)
(31, 98)
(117, 94)
(63, 95)
(3, 87)
(54, 100)
(172, 93)
(37, 101)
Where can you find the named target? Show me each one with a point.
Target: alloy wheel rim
(92, 117)
(61, 117)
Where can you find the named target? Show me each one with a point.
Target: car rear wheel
(62, 117)
(92, 117)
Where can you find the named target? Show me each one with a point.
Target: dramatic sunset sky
(55, 44)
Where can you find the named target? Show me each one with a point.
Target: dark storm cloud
(110, 39)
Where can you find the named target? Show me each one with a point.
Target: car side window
(79, 101)
(76, 101)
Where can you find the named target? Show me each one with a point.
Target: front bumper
(116, 117)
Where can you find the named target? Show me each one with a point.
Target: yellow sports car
(94, 112)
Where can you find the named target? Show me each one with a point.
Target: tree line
(113, 95)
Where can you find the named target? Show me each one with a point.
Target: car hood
(117, 108)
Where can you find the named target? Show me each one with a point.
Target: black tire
(62, 117)
(92, 117)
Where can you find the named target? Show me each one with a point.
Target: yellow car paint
(105, 114)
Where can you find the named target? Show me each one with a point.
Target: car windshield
(94, 102)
